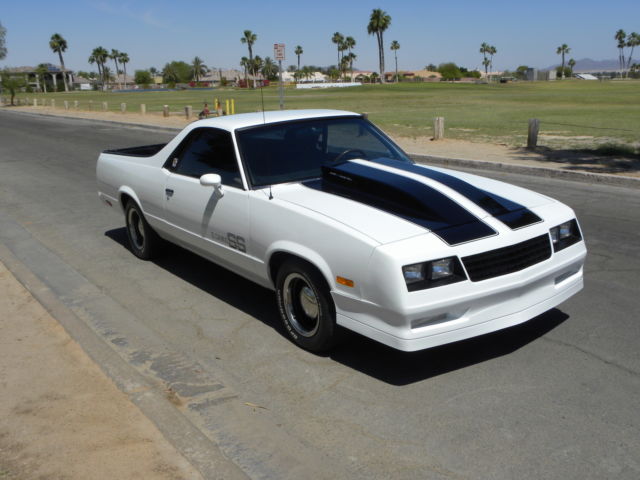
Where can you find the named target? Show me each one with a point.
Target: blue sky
(155, 32)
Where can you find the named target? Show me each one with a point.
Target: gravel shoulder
(60, 416)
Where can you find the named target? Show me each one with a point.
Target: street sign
(278, 51)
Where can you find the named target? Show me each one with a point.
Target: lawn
(573, 113)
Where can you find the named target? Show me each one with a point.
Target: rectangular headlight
(444, 271)
(565, 235)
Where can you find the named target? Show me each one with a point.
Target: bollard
(188, 110)
(165, 110)
(105, 106)
(53, 103)
(35, 102)
(233, 106)
(226, 110)
(219, 110)
(90, 105)
(438, 128)
(123, 108)
(66, 105)
(75, 104)
(143, 109)
(216, 104)
(532, 134)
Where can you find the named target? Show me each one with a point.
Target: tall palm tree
(199, 68)
(124, 59)
(269, 68)
(395, 46)
(338, 39)
(633, 40)
(621, 37)
(99, 55)
(250, 38)
(571, 63)
(378, 23)
(350, 43)
(484, 49)
(115, 55)
(3, 49)
(492, 51)
(298, 51)
(563, 50)
(59, 45)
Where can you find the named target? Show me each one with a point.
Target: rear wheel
(143, 240)
(306, 306)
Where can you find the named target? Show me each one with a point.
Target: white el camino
(322, 207)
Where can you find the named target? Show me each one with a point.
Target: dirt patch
(60, 416)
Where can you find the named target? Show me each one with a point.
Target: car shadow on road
(357, 352)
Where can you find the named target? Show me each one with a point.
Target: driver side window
(207, 150)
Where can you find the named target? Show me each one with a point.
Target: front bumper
(467, 309)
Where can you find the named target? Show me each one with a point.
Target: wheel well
(125, 198)
(278, 259)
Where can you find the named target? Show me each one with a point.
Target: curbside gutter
(574, 176)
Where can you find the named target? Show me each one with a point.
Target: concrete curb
(574, 176)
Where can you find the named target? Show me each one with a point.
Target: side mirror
(212, 180)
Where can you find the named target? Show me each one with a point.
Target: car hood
(389, 200)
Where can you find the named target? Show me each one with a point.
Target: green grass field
(573, 113)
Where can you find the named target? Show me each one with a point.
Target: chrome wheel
(301, 305)
(136, 229)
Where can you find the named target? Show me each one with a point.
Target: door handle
(168, 192)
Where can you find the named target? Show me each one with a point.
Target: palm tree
(395, 46)
(41, 73)
(124, 59)
(484, 49)
(3, 49)
(492, 51)
(563, 50)
(250, 38)
(338, 39)
(571, 63)
(621, 37)
(258, 63)
(350, 43)
(244, 63)
(99, 55)
(298, 51)
(269, 68)
(633, 40)
(59, 45)
(115, 55)
(378, 23)
(199, 68)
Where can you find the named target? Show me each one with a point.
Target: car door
(212, 221)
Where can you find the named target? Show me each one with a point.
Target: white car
(325, 209)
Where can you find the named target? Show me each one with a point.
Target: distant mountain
(589, 65)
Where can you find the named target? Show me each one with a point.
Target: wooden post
(75, 104)
(143, 109)
(165, 110)
(105, 106)
(123, 108)
(53, 103)
(187, 111)
(532, 137)
(66, 105)
(35, 102)
(90, 105)
(438, 128)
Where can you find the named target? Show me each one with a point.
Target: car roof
(242, 120)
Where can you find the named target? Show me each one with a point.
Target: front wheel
(306, 306)
(144, 242)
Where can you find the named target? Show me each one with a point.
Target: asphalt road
(558, 397)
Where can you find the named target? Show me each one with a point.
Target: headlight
(435, 273)
(565, 234)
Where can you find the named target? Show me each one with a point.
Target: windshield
(294, 151)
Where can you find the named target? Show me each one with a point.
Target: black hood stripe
(404, 197)
(508, 212)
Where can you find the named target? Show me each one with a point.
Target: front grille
(507, 259)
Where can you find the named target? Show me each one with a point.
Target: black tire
(144, 242)
(306, 307)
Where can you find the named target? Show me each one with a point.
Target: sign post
(278, 54)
